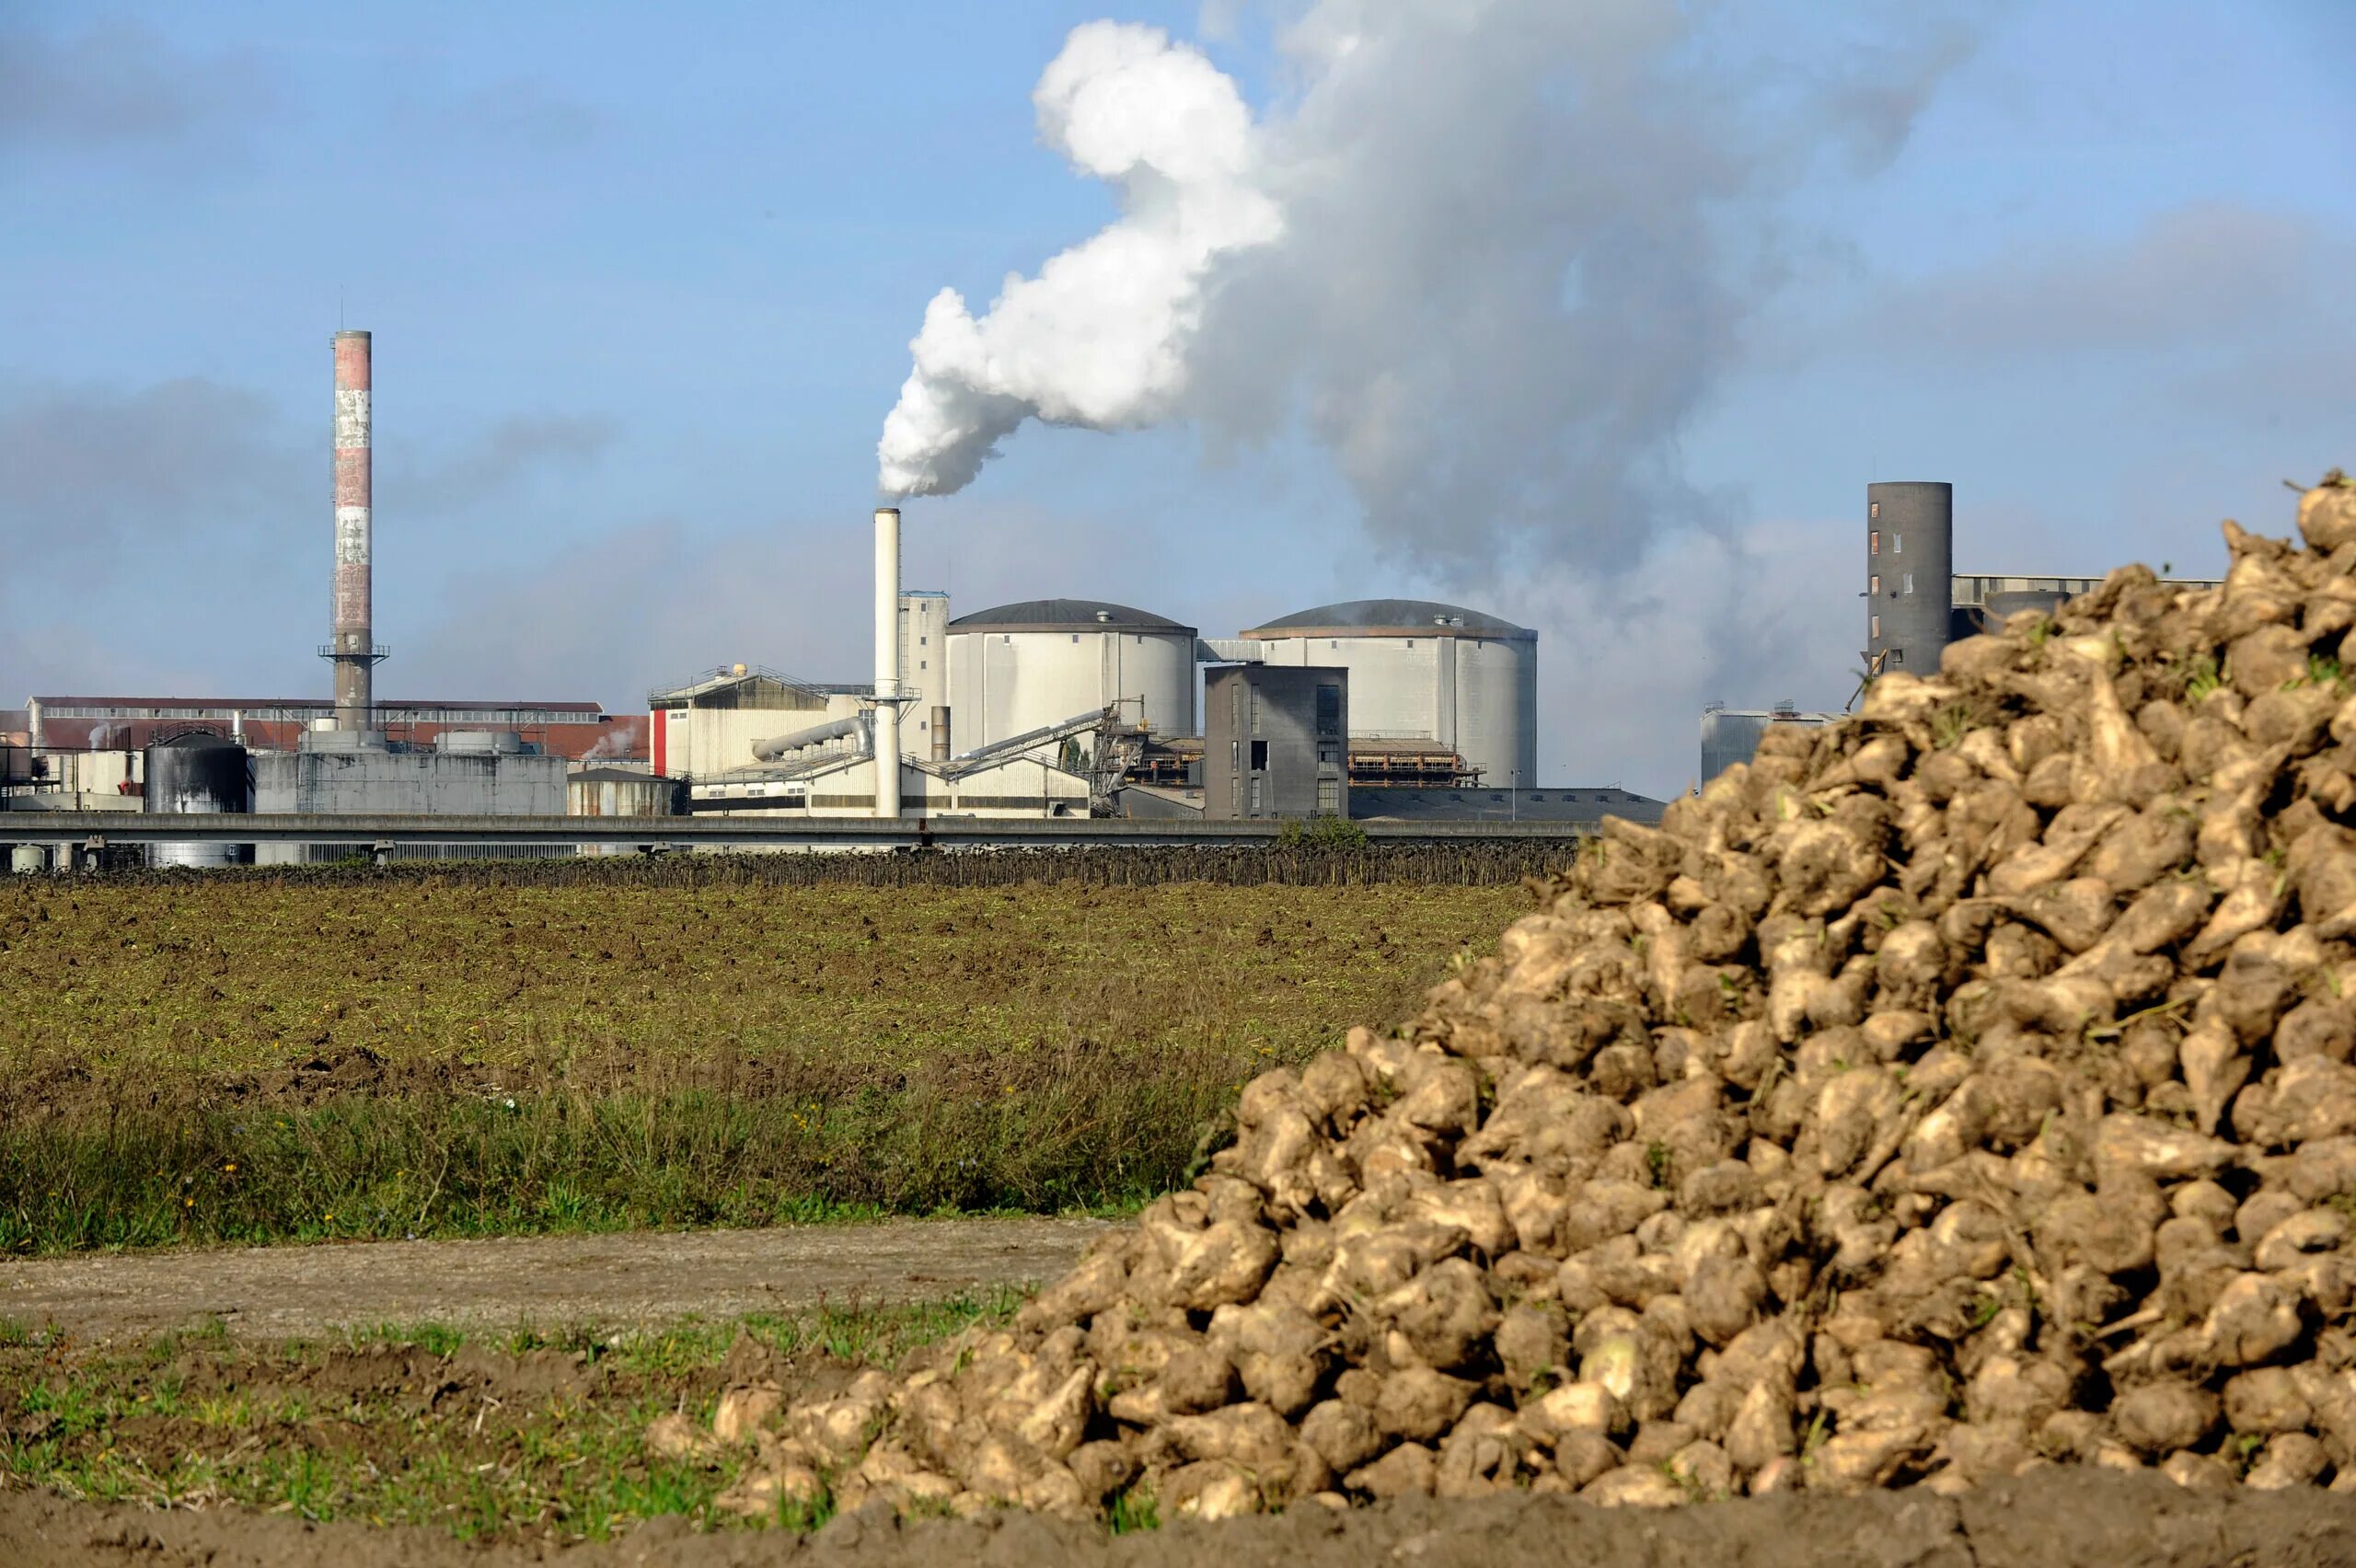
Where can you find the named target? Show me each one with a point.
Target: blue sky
(643, 293)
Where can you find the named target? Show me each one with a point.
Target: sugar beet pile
(1963, 1087)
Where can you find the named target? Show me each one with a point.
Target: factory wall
(700, 741)
(1732, 735)
(1477, 695)
(924, 667)
(1003, 684)
(1017, 787)
(370, 781)
(1274, 742)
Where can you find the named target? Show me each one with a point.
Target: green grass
(286, 1429)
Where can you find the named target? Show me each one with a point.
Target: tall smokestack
(887, 661)
(353, 650)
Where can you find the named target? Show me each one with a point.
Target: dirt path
(2055, 1518)
(549, 1281)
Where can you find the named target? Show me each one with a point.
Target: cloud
(119, 83)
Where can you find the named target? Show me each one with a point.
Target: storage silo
(197, 775)
(1909, 566)
(1425, 671)
(1027, 666)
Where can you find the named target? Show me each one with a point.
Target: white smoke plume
(1100, 336)
(1493, 255)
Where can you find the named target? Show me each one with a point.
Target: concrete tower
(1910, 564)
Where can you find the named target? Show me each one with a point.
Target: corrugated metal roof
(1065, 615)
(1392, 617)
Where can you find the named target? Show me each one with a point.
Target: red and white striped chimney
(353, 650)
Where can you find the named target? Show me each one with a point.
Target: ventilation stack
(353, 650)
(887, 661)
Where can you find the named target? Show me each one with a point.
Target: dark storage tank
(197, 775)
(1910, 564)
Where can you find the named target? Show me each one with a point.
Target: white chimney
(887, 661)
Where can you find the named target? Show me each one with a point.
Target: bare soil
(577, 1281)
(2053, 1516)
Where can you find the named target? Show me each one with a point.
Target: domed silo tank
(1428, 672)
(1024, 667)
(197, 775)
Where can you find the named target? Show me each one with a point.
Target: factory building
(1036, 664)
(1915, 604)
(1273, 738)
(1732, 735)
(581, 731)
(924, 672)
(356, 772)
(1423, 672)
(710, 724)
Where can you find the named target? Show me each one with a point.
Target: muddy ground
(2055, 1516)
(549, 1281)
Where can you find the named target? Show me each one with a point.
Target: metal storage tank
(1026, 666)
(197, 775)
(1426, 671)
(623, 793)
(1910, 565)
(482, 742)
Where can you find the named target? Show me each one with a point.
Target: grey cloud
(1744, 616)
(83, 469)
(1526, 243)
(503, 456)
(515, 111)
(2190, 277)
(119, 83)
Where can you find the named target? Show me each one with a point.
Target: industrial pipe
(940, 733)
(887, 661)
(777, 746)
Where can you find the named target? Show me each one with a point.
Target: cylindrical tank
(26, 858)
(1027, 666)
(480, 742)
(1910, 570)
(1428, 672)
(197, 775)
(938, 720)
(623, 793)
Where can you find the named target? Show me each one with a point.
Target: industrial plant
(1385, 711)
(1909, 540)
(1380, 711)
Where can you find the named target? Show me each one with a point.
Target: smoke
(1099, 337)
(1494, 256)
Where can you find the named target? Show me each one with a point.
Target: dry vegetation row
(248, 1059)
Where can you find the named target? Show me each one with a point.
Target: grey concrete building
(1274, 739)
(476, 773)
(1732, 735)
